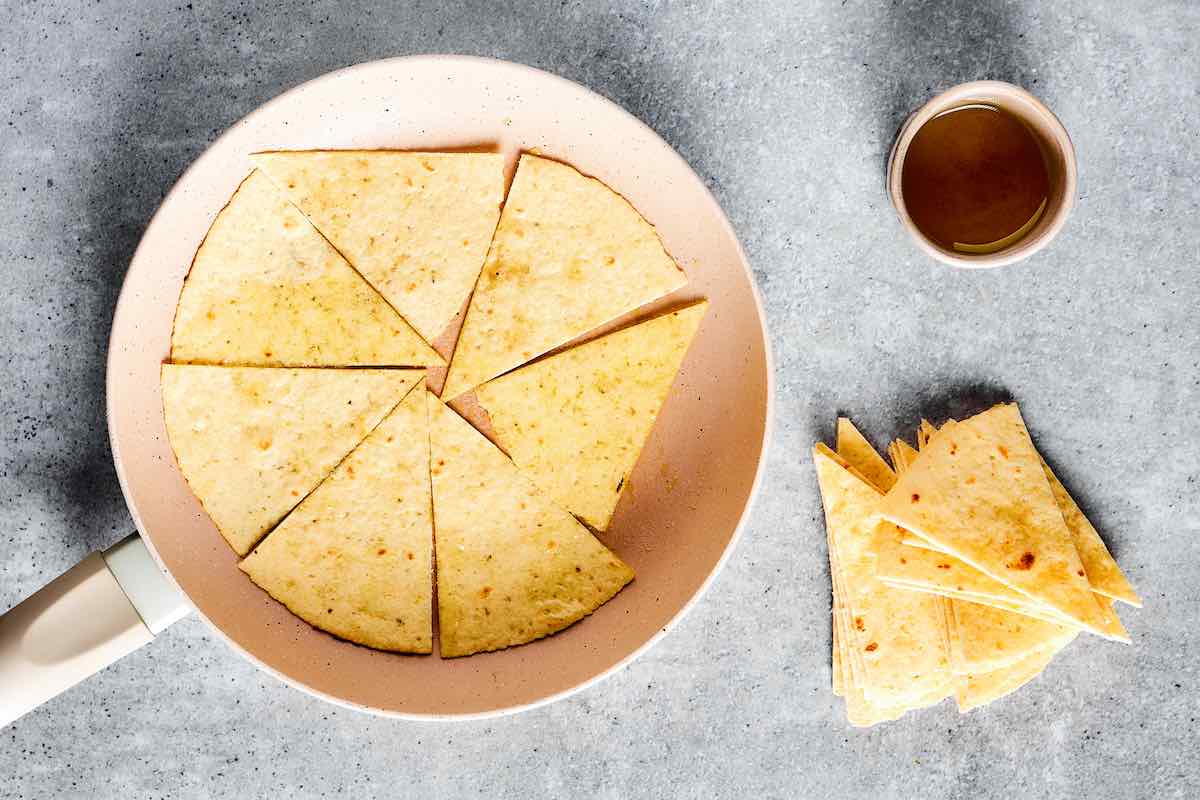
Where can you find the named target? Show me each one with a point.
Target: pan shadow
(945, 44)
(168, 110)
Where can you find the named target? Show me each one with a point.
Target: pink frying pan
(676, 525)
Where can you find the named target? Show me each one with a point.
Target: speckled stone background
(787, 111)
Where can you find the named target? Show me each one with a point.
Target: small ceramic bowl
(1056, 148)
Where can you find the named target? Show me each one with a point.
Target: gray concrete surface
(787, 111)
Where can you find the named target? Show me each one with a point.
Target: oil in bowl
(974, 179)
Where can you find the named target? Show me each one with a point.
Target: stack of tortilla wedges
(961, 569)
(295, 394)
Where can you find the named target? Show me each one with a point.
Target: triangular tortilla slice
(899, 563)
(988, 639)
(265, 289)
(896, 634)
(978, 491)
(860, 712)
(416, 225)
(860, 458)
(939, 573)
(1025, 606)
(1103, 574)
(575, 422)
(902, 454)
(511, 566)
(925, 432)
(355, 558)
(858, 452)
(252, 442)
(569, 255)
(979, 690)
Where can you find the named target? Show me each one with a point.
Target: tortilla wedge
(575, 422)
(902, 455)
(854, 447)
(569, 255)
(253, 442)
(1103, 574)
(896, 634)
(355, 558)
(416, 225)
(860, 712)
(511, 566)
(987, 639)
(979, 690)
(265, 289)
(979, 492)
(860, 458)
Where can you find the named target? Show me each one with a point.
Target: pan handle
(103, 608)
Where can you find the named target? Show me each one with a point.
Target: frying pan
(676, 524)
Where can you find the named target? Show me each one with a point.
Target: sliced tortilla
(987, 639)
(979, 492)
(862, 458)
(575, 422)
(925, 432)
(253, 442)
(265, 289)
(569, 255)
(900, 563)
(1103, 574)
(979, 690)
(355, 558)
(1025, 607)
(511, 566)
(896, 634)
(416, 225)
(902, 454)
(854, 447)
(860, 712)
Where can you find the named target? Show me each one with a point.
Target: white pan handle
(103, 608)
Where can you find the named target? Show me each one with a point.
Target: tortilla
(575, 422)
(511, 566)
(1103, 574)
(860, 712)
(925, 432)
(853, 446)
(859, 457)
(895, 633)
(988, 639)
(1109, 581)
(938, 570)
(416, 225)
(266, 290)
(569, 255)
(978, 491)
(902, 454)
(253, 442)
(979, 690)
(355, 558)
